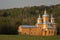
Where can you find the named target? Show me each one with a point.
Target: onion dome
(39, 18)
(52, 16)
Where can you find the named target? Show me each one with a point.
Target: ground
(26, 37)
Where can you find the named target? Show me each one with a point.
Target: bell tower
(45, 18)
(39, 21)
(53, 22)
(52, 19)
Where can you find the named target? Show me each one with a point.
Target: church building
(45, 26)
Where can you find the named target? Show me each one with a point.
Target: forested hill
(10, 19)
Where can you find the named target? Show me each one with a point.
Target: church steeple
(45, 16)
(45, 11)
(52, 19)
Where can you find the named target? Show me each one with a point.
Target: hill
(10, 19)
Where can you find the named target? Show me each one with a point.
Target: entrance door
(45, 33)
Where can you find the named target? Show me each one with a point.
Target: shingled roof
(28, 26)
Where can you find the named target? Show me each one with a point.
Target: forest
(10, 19)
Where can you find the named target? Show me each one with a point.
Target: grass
(26, 37)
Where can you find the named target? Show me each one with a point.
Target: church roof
(39, 18)
(28, 26)
(45, 15)
(53, 23)
(49, 26)
(46, 23)
(52, 18)
(39, 23)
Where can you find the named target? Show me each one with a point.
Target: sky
(6, 4)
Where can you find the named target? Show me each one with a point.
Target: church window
(45, 32)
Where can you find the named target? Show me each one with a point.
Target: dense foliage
(10, 19)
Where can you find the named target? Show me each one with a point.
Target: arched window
(50, 32)
(45, 32)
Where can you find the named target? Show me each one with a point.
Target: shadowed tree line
(10, 19)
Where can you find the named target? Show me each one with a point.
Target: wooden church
(45, 26)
